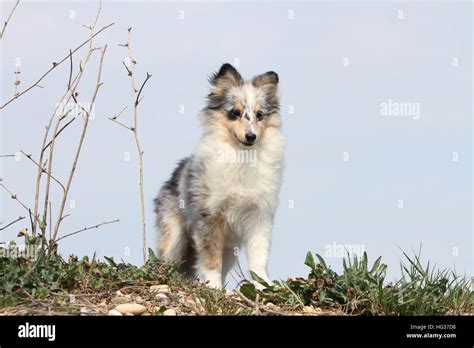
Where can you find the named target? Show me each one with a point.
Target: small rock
(118, 293)
(163, 289)
(162, 298)
(270, 305)
(138, 299)
(131, 308)
(309, 310)
(72, 298)
(169, 312)
(86, 310)
(114, 313)
(120, 300)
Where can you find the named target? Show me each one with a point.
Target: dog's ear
(269, 78)
(223, 80)
(268, 83)
(226, 77)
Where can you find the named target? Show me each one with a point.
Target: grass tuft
(362, 289)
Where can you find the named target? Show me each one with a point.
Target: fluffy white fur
(249, 195)
(210, 207)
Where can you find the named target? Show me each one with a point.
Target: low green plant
(43, 274)
(362, 289)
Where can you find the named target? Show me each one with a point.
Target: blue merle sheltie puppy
(224, 196)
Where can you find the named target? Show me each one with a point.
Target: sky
(376, 110)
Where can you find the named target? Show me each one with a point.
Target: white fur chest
(242, 181)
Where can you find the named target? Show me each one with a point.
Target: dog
(224, 196)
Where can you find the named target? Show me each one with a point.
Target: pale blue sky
(336, 110)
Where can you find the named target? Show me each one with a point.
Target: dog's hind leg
(174, 245)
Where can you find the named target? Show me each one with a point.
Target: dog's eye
(234, 114)
(259, 115)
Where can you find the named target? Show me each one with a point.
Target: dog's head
(240, 111)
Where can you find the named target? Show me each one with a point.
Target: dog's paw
(214, 285)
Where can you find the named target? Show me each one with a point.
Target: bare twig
(128, 70)
(70, 93)
(88, 228)
(137, 140)
(134, 129)
(118, 115)
(137, 100)
(79, 146)
(3, 156)
(55, 65)
(8, 19)
(13, 196)
(114, 119)
(11, 223)
(59, 132)
(44, 170)
(253, 304)
(70, 70)
(120, 124)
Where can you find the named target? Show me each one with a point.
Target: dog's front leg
(209, 239)
(258, 249)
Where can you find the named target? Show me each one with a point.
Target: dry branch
(14, 196)
(44, 170)
(55, 65)
(88, 228)
(70, 94)
(11, 223)
(59, 132)
(79, 146)
(51, 134)
(134, 129)
(8, 19)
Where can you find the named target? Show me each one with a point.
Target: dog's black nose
(250, 137)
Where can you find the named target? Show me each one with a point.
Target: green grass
(47, 281)
(362, 288)
(45, 275)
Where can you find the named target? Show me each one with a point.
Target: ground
(51, 285)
